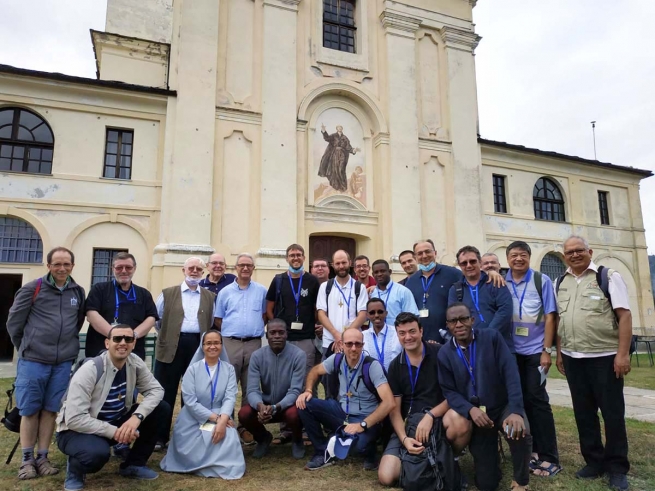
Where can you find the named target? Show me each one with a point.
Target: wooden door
(323, 246)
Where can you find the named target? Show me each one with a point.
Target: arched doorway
(552, 266)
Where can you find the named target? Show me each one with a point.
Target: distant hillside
(651, 262)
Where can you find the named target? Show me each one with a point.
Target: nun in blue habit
(205, 441)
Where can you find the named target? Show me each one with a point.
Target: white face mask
(193, 281)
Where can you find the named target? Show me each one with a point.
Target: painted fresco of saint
(335, 158)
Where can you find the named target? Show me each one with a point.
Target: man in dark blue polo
(217, 279)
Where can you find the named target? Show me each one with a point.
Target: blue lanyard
(215, 382)
(384, 341)
(348, 394)
(413, 380)
(344, 296)
(296, 295)
(388, 290)
(130, 296)
(426, 287)
(470, 365)
(475, 296)
(528, 275)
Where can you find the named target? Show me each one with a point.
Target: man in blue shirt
(534, 327)
(217, 279)
(491, 305)
(396, 297)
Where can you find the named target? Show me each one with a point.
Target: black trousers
(537, 408)
(89, 453)
(484, 450)
(594, 386)
(170, 374)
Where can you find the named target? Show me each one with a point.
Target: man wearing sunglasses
(99, 410)
(491, 306)
(380, 342)
(119, 301)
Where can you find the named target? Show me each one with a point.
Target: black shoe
(588, 472)
(262, 447)
(618, 481)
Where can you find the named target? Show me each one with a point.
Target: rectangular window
(339, 25)
(500, 202)
(118, 154)
(102, 259)
(603, 208)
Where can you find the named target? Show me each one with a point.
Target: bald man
(217, 279)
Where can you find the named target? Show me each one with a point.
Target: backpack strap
(603, 280)
(100, 367)
(366, 376)
(328, 289)
(459, 291)
(39, 282)
(278, 308)
(538, 283)
(358, 289)
(558, 282)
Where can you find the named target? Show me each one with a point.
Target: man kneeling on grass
(99, 411)
(365, 399)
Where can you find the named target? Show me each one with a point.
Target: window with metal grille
(102, 259)
(26, 142)
(118, 154)
(603, 208)
(339, 25)
(500, 202)
(19, 242)
(552, 266)
(548, 201)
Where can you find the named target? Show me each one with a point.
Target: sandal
(551, 469)
(246, 437)
(27, 470)
(281, 439)
(45, 467)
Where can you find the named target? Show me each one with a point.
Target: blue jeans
(40, 386)
(330, 414)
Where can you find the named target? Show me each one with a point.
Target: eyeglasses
(472, 262)
(295, 256)
(456, 320)
(118, 339)
(362, 266)
(212, 343)
(216, 263)
(246, 266)
(123, 268)
(353, 344)
(373, 312)
(62, 265)
(195, 268)
(574, 251)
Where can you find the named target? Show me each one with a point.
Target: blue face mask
(427, 268)
(296, 271)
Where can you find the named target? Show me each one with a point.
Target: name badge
(208, 426)
(522, 331)
(423, 313)
(296, 326)
(592, 297)
(483, 409)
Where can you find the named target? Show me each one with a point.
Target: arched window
(548, 201)
(19, 242)
(552, 266)
(26, 142)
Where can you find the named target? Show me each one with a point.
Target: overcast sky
(546, 68)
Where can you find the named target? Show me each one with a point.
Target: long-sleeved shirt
(497, 379)
(276, 379)
(190, 304)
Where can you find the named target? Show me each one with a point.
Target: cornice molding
(460, 39)
(291, 5)
(399, 24)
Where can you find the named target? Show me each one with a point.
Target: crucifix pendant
(340, 303)
(349, 395)
(427, 295)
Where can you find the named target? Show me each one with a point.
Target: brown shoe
(45, 467)
(27, 470)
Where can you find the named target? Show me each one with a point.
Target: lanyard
(130, 296)
(475, 296)
(215, 381)
(384, 341)
(296, 295)
(388, 290)
(426, 287)
(516, 294)
(344, 296)
(348, 394)
(413, 380)
(470, 365)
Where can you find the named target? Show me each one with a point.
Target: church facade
(248, 125)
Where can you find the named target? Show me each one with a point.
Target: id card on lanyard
(413, 380)
(470, 368)
(130, 297)
(519, 329)
(296, 325)
(425, 312)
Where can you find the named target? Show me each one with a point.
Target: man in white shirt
(380, 339)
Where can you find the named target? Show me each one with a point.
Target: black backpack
(434, 469)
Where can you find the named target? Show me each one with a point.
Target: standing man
(321, 269)
(44, 324)
(341, 303)
(396, 297)
(408, 263)
(217, 279)
(381, 342)
(186, 311)
(362, 269)
(534, 327)
(490, 262)
(240, 316)
(430, 288)
(491, 306)
(593, 344)
(119, 301)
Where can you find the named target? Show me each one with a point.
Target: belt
(243, 340)
(189, 334)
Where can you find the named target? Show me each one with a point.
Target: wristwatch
(428, 412)
(364, 425)
(549, 350)
(139, 416)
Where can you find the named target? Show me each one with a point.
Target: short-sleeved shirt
(427, 393)
(526, 313)
(132, 310)
(307, 295)
(397, 298)
(387, 343)
(114, 406)
(242, 310)
(362, 402)
(215, 288)
(339, 312)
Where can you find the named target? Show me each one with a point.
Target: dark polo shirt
(225, 280)
(286, 309)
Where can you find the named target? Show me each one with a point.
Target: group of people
(466, 348)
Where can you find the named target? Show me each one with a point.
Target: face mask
(296, 270)
(427, 268)
(192, 281)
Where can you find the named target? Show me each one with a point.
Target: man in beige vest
(593, 345)
(186, 311)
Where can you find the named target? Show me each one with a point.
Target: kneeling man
(480, 379)
(99, 411)
(364, 401)
(414, 380)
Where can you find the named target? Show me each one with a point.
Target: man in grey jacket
(99, 410)
(275, 380)
(44, 322)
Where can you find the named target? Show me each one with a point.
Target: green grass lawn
(279, 471)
